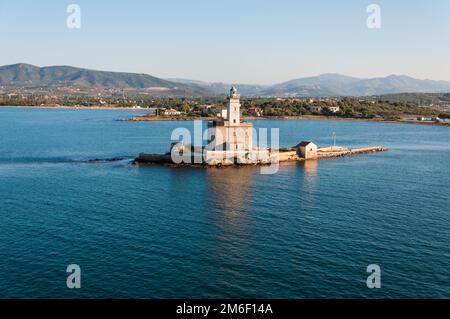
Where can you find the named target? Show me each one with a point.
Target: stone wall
(214, 158)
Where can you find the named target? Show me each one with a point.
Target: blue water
(158, 232)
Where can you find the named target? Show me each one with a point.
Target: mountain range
(334, 85)
(30, 76)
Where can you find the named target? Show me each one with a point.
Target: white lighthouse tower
(234, 108)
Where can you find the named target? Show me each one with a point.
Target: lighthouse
(234, 108)
(231, 134)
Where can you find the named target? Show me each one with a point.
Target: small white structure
(224, 114)
(334, 109)
(172, 112)
(307, 150)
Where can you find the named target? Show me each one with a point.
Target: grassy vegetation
(349, 108)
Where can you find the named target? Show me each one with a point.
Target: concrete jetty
(323, 153)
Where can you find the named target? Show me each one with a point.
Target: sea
(311, 230)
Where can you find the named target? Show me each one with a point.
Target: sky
(234, 41)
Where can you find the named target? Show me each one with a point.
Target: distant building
(48, 97)
(255, 111)
(172, 112)
(224, 114)
(334, 109)
(316, 109)
(307, 150)
(208, 109)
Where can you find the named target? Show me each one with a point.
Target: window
(234, 121)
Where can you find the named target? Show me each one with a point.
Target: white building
(334, 109)
(172, 112)
(307, 150)
(224, 114)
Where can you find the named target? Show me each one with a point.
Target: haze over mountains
(29, 76)
(335, 85)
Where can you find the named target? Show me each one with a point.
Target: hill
(332, 84)
(341, 85)
(27, 76)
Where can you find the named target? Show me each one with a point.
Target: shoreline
(280, 118)
(193, 118)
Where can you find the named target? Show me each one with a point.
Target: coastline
(282, 118)
(144, 118)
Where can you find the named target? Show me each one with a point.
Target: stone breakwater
(349, 152)
(280, 156)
